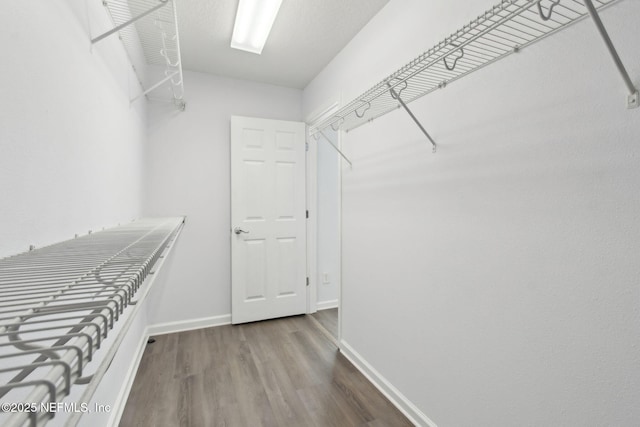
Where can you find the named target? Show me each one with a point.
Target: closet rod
(632, 99)
(129, 22)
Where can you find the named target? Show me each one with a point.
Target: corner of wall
(394, 395)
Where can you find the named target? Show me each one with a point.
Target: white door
(268, 219)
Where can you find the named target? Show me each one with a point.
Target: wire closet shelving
(61, 304)
(149, 28)
(506, 28)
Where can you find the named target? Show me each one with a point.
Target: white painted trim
(403, 404)
(188, 325)
(319, 114)
(312, 222)
(325, 305)
(158, 329)
(123, 395)
(340, 140)
(324, 110)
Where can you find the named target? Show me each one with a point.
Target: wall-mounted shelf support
(129, 22)
(506, 28)
(396, 96)
(160, 83)
(148, 30)
(334, 147)
(633, 100)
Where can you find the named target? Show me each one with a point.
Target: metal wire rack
(507, 28)
(149, 28)
(61, 304)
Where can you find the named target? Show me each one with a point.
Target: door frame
(327, 108)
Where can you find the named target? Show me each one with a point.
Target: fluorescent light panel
(254, 20)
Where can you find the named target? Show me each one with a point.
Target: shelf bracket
(455, 60)
(394, 95)
(155, 86)
(129, 22)
(367, 105)
(340, 121)
(546, 17)
(633, 100)
(335, 148)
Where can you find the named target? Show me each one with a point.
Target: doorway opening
(328, 183)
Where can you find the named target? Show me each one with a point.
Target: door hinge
(307, 214)
(307, 281)
(306, 146)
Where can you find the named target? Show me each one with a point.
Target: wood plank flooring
(329, 320)
(283, 372)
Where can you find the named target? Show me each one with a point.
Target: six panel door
(268, 219)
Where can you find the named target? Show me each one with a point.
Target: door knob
(239, 230)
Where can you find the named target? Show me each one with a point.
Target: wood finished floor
(329, 320)
(283, 372)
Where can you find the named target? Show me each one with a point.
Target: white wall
(188, 174)
(328, 188)
(496, 283)
(70, 144)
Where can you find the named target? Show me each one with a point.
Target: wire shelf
(153, 36)
(506, 28)
(60, 304)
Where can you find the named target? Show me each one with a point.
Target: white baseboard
(325, 305)
(188, 325)
(123, 395)
(159, 329)
(405, 406)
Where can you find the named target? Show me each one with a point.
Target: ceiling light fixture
(254, 20)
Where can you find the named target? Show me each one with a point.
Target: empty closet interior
(470, 206)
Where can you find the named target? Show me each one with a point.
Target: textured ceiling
(306, 35)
